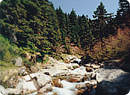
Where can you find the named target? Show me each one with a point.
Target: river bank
(66, 77)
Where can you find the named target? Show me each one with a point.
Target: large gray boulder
(112, 82)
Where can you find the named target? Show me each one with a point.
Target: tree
(124, 7)
(85, 33)
(123, 13)
(62, 23)
(74, 28)
(101, 22)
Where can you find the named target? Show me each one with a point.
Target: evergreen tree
(101, 22)
(85, 33)
(123, 12)
(62, 23)
(74, 28)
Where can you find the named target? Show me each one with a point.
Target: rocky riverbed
(66, 78)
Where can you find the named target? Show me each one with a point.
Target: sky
(86, 7)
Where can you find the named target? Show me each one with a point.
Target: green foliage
(7, 51)
(31, 24)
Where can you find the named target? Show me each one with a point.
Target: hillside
(30, 24)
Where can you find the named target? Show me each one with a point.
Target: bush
(7, 51)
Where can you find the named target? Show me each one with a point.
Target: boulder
(57, 83)
(18, 61)
(41, 78)
(79, 71)
(13, 91)
(26, 86)
(46, 88)
(112, 82)
(108, 74)
(3, 90)
(22, 71)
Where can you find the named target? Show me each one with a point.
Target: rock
(26, 86)
(35, 93)
(46, 88)
(34, 69)
(94, 66)
(27, 78)
(22, 71)
(70, 58)
(41, 78)
(60, 91)
(76, 60)
(75, 78)
(81, 71)
(80, 86)
(57, 83)
(72, 65)
(13, 91)
(3, 90)
(89, 69)
(108, 74)
(9, 77)
(55, 72)
(18, 61)
(128, 93)
(86, 60)
(112, 82)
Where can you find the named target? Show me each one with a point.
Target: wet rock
(89, 69)
(57, 83)
(2, 90)
(80, 86)
(112, 82)
(80, 91)
(75, 78)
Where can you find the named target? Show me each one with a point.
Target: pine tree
(73, 28)
(62, 23)
(85, 33)
(100, 22)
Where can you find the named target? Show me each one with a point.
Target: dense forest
(36, 27)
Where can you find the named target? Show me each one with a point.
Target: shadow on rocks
(119, 86)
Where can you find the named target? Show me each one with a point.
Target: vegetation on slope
(35, 26)
(7, 52)
(31, 24)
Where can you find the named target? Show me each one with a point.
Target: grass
(6, 66)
